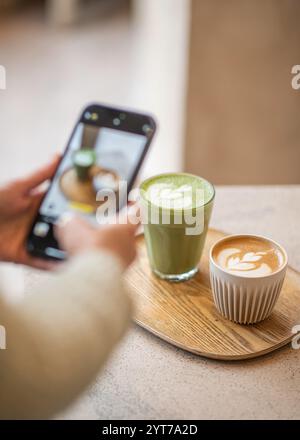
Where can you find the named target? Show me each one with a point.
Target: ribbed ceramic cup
(245, 300)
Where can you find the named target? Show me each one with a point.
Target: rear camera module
(147, 129)
(94, 117)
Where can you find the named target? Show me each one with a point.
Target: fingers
(73, 232)
(65, 219)
(36, 199)
(76, 235)
(61, 225)
(71, 222)
(38, 263)
(41, 175)
(34, 203)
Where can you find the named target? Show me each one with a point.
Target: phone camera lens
(122, 116)
(87, 115)
(116, 122)
(147, 129)
(41, 229)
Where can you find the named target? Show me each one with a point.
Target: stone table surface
(148, 378)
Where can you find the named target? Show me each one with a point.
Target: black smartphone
(106, 149)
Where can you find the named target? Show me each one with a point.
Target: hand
(19, 202)
(77, 235)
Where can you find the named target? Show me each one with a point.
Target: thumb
(40, 176)
(34, 205)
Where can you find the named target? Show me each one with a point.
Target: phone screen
(117, 154)
(104, 154)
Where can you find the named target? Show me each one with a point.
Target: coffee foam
(169, 196)
(178, 191)
(248, 256)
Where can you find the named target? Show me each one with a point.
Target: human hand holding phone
(98, 169)
(75, 235)
(19, 202)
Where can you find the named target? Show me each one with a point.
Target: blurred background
(217, 76)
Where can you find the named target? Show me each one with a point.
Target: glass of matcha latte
(176, 209)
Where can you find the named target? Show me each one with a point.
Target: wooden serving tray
(184, 313)
(82, 192)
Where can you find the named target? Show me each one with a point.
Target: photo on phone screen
(105, 150)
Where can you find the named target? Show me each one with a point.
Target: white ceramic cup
(242, 299)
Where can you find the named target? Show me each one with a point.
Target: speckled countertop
(148, 378)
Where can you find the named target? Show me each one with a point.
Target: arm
(60, 336)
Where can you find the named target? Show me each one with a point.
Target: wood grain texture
(184, 314)
(83, 192)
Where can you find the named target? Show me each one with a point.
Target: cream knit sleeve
(59, 337)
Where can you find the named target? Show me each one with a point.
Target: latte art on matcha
(175, 209)
(168, 196)
(248, 256)
(177, 191)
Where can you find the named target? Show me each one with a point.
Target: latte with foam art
(248, 256)
(176, 209)
(178, 191)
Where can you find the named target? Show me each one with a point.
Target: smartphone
(106, 149)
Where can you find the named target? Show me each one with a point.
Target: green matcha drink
(83, 160)
(176, 209)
